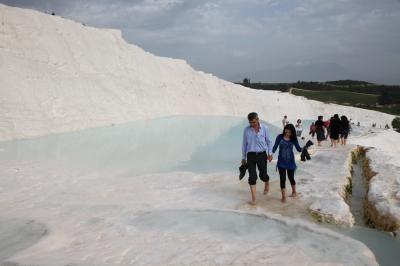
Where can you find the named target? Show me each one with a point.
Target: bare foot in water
(293, 195)
(266, 189)
(253, 203)
(283, 200)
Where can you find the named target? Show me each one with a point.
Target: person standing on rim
(256, 150)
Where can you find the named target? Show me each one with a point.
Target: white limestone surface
(384, 187)
(58, 75)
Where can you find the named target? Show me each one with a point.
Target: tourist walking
(312, 129)
(256, 150)
(327, 124)
(320, 129)
(299, 128)
(285, 121)
(286, 161)
(335, 130)
(345, 129)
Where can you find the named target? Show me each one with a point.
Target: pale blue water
(17, 235)
(385, 247)
(157, 145)
(197, 144)
(249, 228)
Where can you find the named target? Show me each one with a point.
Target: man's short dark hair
(252, 116)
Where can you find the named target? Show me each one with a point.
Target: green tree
(396, 124)
(246, 81)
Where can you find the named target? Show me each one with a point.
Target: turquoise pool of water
(197, 144)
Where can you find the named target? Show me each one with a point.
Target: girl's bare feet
(294, 193)
(283, 199)
(266, 189)
(253, 203)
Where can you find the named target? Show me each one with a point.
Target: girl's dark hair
(344, 118)
(293, 135)
(320, 117)
(336, 116)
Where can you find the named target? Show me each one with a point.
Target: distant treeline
(348, 82)
(388, 94)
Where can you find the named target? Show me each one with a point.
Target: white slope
(57, 75)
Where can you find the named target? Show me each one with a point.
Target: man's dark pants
(259, 160)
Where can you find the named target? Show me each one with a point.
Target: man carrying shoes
(256, 150)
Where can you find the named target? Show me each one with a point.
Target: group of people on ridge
(336, 129)
(257, 149)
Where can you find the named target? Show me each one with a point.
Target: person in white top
(299, 128)
(285, 121)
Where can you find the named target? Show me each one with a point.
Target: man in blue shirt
(256, 150)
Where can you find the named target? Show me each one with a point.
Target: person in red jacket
(327, 125)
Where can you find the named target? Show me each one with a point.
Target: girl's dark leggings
(282, 175)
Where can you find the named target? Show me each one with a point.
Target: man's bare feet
(283, 200)
(294, 194)
(253, 203)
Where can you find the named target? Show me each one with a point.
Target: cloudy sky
(265, 40)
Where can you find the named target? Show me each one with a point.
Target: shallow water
(373, 238)
(359, 191)
(194, 144)
(385, 247)
(252, 231)
(17, 235)
(199, 144)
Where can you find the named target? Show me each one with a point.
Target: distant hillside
(349, 82)
(384, 98)
(294, 72)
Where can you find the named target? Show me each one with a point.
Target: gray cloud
(231, 38)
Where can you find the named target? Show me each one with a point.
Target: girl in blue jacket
(286, 162)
